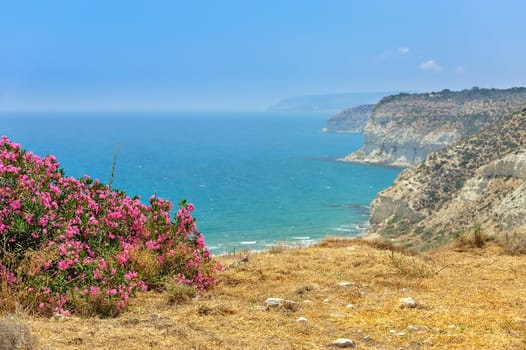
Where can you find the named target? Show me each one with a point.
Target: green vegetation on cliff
(405, 128)
(477, 182)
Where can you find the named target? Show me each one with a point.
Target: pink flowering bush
(75, 245)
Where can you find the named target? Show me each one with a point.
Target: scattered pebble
(302, 320)
(350, 306)
(343, 343)
(274, 302)
(452, 326)
(338, 314)
(400, 334)
(58, 318)
(367, 338)
(412, 328)
(392, 331)
(325, 300)
(345, 284)
(279, 303)
(408, 303)
(262, 308)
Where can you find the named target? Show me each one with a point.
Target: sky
(249, 54)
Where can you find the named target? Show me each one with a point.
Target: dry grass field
(471, 298)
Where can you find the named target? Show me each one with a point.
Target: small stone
(350, 306)
(274, 302)
(367, 338)
(412, 328)
(325, 300)
(343, 343)
(400, 334)
(345, 284)
(338, 314)
(58, 318)
(262, 308)
(392, 331)
(302, 320)
(408, 303)
(451, 326)
(278, 303)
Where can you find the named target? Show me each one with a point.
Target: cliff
(350, 120)
(477, 182)
(405, 128)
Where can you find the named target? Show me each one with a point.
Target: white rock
(262, 308)
(338, 314)
(408, 303)
(274, 302)
(58, 318)
(325, 300)
(350, 306)
(400, 334)
(451, 326)
(392, 331)
(345, 284)
(412, 328)
(302, 320)
(343, 343)
(277, 303)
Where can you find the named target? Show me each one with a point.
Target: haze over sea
(255, 178)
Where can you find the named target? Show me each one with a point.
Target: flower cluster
(71, 244)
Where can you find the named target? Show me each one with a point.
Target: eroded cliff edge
(350, 120)
(403, 129)
(479, 181)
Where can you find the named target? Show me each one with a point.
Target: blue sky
(249, 54)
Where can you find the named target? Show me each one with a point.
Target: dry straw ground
(469, 299)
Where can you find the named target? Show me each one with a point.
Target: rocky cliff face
(350, 120)
(405, 128)
(479, 181)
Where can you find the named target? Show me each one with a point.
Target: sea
(257, 179)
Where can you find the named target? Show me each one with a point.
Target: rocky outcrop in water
(403, 129)
(477, 182)
(350, 120)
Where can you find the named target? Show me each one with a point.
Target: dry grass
(476, 300)
(16, 336)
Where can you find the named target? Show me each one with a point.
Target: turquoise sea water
(255, 178)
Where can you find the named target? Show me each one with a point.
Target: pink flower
(102, 264)
(200, 241)
(15, 205)
(62, 265)
(94, 291)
